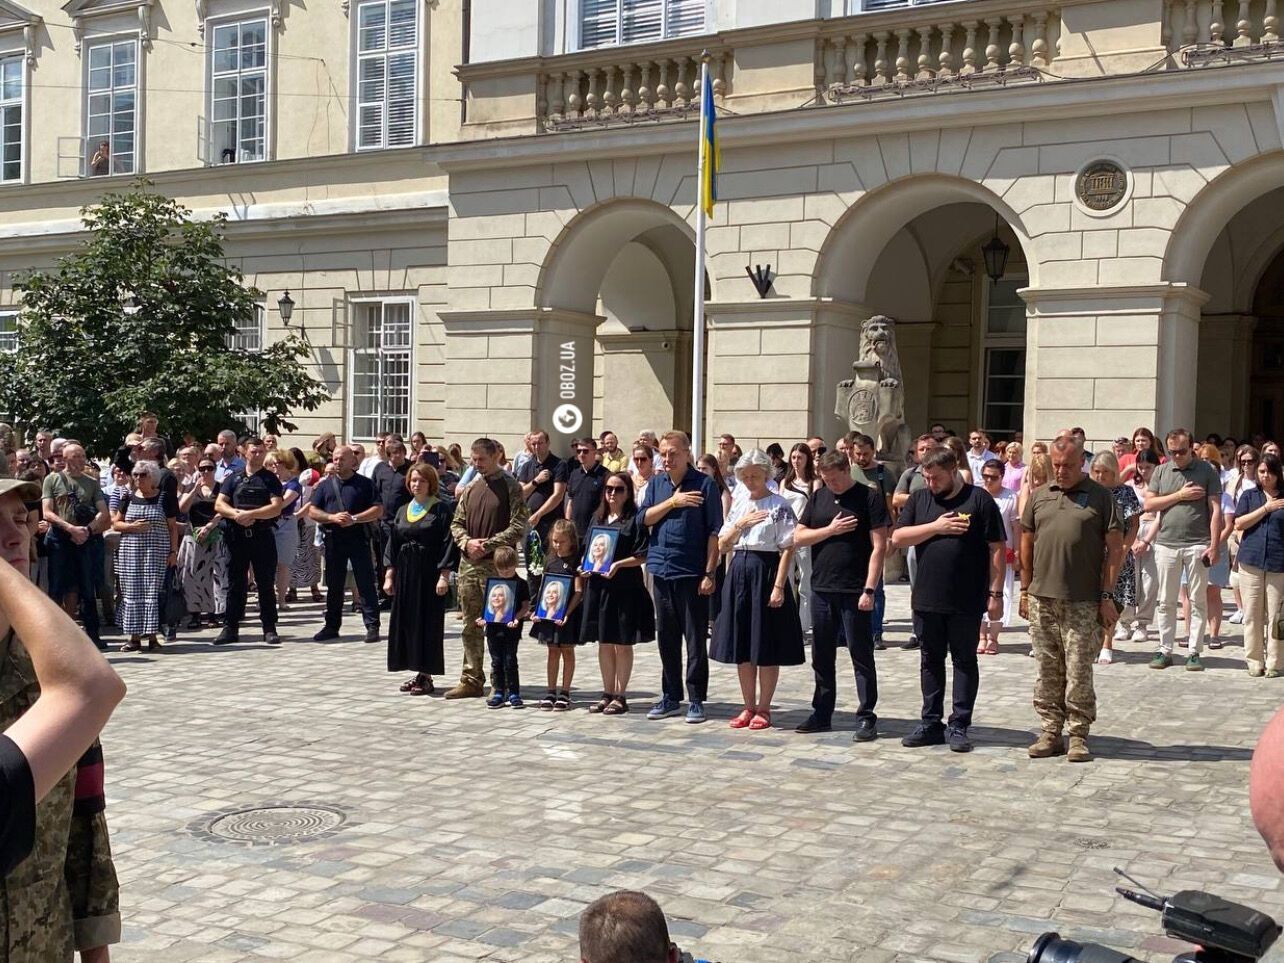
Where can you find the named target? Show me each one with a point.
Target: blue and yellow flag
(709, 142)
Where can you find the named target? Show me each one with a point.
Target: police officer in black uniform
(250, 501)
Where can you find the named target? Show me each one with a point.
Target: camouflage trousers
(1067, 639)
(471, 584)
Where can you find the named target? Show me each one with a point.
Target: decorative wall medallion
(1102, 185)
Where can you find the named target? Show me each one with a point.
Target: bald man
(1266, 787)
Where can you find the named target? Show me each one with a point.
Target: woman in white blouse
(757, 628)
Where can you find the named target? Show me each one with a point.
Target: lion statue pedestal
(873, 402)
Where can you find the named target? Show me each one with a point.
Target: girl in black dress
(561, 636)
(618, 612)
(419, 557)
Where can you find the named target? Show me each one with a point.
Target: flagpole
(697, 361)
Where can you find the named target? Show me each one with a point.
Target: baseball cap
(28, 491)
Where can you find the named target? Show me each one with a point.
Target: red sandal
(742, 721)
(761, 720)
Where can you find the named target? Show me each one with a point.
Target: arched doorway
(1266, 392)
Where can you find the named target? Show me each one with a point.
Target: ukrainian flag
(709, 147)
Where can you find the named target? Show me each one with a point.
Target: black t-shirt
(953, 571)
(333, 496)
(841, 562)
(557, 471)
(390, 486)
(168, 486)
(250, 491)
(584, 489)
(17, 807)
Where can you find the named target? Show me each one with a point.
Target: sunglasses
(584, 451)
(1248, 461)
(1178, 452)
(616, 488)
(207, 468)
(991, 477)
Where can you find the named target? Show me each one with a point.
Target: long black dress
(550, 633)
(619, 610)
(418, 551)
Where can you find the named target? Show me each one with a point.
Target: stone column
(514, 370)
(1111, 358)
(643, 386)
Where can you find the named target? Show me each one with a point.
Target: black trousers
(248, 547)
(836, 619)
(382, 532)
(955, 634)
(71, 569)
(503, 666)
(340, 552)
(682, 612)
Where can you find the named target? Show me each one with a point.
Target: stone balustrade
(630, 84)
(1220, 27)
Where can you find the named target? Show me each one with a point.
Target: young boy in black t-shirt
(502, 637)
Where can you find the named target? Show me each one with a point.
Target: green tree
(141, 317)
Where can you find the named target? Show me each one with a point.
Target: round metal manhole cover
(280, 824)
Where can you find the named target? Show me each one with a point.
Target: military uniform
(505, 525)
(64, 897)
(1066, 637)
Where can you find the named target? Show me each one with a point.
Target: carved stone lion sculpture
(873, 402)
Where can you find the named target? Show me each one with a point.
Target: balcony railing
(1205, 32)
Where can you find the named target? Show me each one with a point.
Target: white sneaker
(1121, 633)
(1106, 658)
(1237, 618)
(1139, 635)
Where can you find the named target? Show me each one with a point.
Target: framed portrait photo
(599, 549)
(554, 597)
(501, 600)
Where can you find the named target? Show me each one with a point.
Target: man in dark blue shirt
(343, 504)
(684, 510)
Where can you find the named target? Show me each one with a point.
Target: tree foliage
(142, 318)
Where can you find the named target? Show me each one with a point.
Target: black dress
(550, 633)
(619, 610)
(418, 551)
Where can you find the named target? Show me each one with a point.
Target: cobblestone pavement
(476, 834)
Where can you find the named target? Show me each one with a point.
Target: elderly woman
(1105, 471)
(758, 629)
(286, 532)
(203, 567)
(419, 556)
(148, 545)
(305, 567)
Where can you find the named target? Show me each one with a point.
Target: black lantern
(286, 306)
(996, 254)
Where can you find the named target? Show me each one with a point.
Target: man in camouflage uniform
(1070, 556)
(63, 898)
(491, 512)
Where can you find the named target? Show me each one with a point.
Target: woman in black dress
(618, 612)
(419, 558)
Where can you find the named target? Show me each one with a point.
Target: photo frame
(554, 597)
(500, 602)
(599, 549)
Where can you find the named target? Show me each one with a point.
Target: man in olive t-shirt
(1070, 556)
(1186, 491)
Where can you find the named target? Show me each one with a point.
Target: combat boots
(1078, 750)
(1048, 744)
(465, 690)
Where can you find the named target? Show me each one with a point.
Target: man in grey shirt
(1186, 491)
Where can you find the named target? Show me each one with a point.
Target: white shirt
(1007, 504)
(977, 462)
(740, 493)
(368, 466)
(774, 533)
(1232, 488)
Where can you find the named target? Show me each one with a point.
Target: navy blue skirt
(748, 628)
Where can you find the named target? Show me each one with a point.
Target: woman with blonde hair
(1013, 467)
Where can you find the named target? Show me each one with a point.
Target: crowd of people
(742, 558)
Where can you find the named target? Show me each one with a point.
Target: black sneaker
(866, 730)
(879, 644)
(910, 643)
(812, 724)
(372, 634)
(957, 737)
(925, 734)
(100, 645)
(171, 633)
(326, 634)
(271, 638)
(229, 636)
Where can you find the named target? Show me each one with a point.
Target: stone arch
(847, 257)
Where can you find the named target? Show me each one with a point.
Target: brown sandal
(599, 707)
(619, 705)
(409, 684)
(422, 688)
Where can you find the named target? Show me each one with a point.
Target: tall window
(11, 76)
(387, 73)
(1003, 354)
(8, 330)
(381, 366)
(111, 108)
(248, 334)
(608, 23)
(238, 92)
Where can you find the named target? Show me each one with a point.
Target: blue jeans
(880, 606)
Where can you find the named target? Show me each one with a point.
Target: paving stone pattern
(476, 834)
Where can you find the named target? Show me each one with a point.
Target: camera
(1225, 932)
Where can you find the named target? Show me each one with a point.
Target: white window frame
(5, 336)
(576, 27)
(412, 307)
(256, 331)
(863, 6)
(86, 153)
(990, 342)
(356, 58)
(24, 114)
(212, 25)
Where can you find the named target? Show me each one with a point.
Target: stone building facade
(519, 238)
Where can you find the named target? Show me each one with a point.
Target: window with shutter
(12, 70)
(608, 23)
(238, 92)
(8, 331)
(387, 73)
(111, 107)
